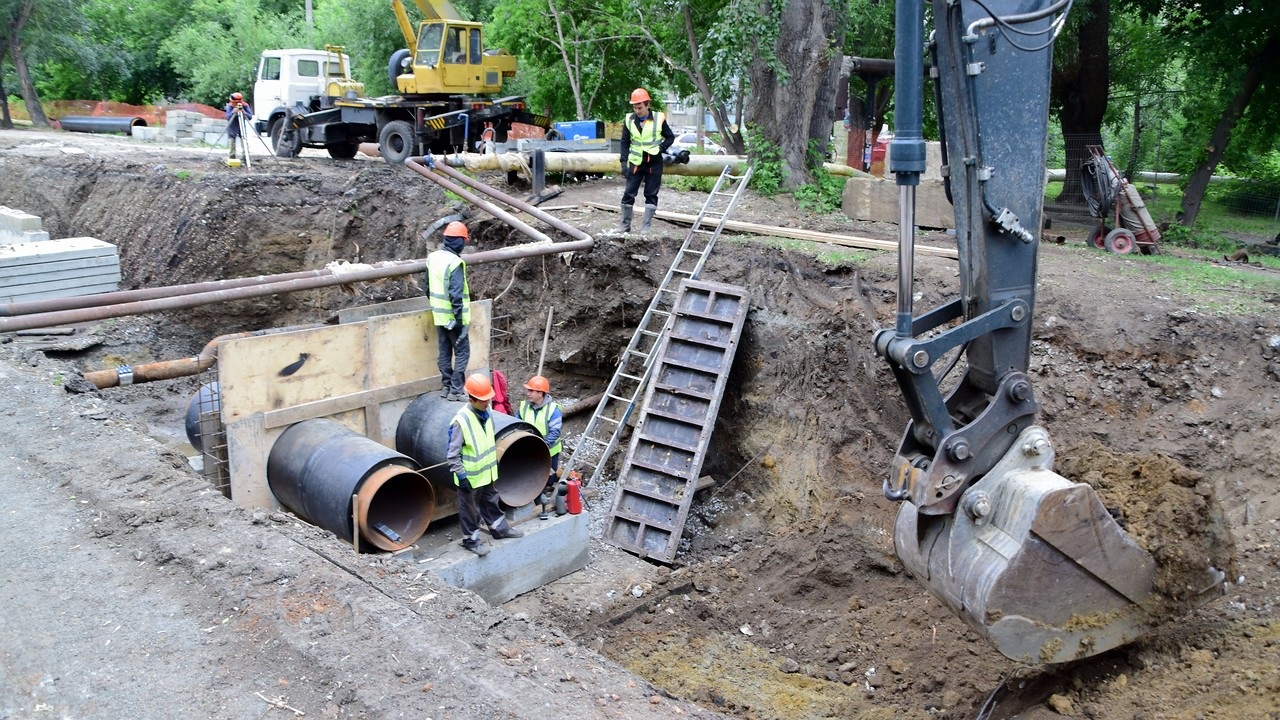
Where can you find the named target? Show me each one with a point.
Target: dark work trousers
(454, 353)
(555, 465)
(479, 505)
(650, 173)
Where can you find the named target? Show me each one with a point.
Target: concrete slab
(549, 550)
(48, 250)
(6, 297)
(867, 198)
(55, 266)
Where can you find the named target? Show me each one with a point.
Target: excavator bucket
(1036, 564)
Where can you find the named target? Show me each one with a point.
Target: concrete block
(867, 198)
(57, 268)
(932, 161)
(549, 550)
(18, 221)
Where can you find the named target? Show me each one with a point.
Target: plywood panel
(270, 372)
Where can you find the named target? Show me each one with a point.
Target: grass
(1210, 288)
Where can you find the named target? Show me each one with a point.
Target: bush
(824, 195)
(1202, 238)
(766, 179)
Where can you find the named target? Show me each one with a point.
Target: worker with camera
(238, 116)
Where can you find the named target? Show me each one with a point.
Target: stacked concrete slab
(185, 127)
(873, 198)
(33, 267)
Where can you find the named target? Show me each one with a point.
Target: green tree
(216, 50)
(368, 31)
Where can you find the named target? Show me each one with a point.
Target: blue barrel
(316, 466)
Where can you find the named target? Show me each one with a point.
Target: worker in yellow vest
(543, 413)
(646, 136)
(450, 302)
(473, 459)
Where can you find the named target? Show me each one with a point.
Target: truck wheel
(342, 151)
(286, 144)
(396, 65)
(396, 142)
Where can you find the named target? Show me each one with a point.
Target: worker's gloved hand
(453, 325)
(668, 158)
(464, 484)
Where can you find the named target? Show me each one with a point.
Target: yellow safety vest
(440, 266)
(479, 449)
(538, 418)
(647, 140)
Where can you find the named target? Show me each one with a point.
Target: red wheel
(1120, 241)
(1097, 238)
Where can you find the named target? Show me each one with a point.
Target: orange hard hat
(237, 96)
(539, 383)
(456, 229)
(479, 387)
(639, 95)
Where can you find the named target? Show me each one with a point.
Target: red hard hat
(237, 96)
(639, 95)
(479, 387)
(539, 383)
(456, 229)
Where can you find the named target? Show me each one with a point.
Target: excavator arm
(1029, 559)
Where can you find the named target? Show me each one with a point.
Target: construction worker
(473, 460)
(450, 309)
(237, 111)
(540, 411)
(645, 139)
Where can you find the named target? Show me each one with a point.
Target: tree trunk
(1080, 91)
(6, 120)
(1260, 66)
(1135, 145)
(20, 65)
(783, 107)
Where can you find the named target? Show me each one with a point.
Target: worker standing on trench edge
(237, 110)
(450, 301)
(473, 460)
(543, 413)
(645, 140)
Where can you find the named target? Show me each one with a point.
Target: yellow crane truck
(447, 81)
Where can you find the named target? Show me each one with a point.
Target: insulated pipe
(91, 124)
(415, 164)
(112, 298)
(524, 462)
(316, 466)
(369, 273)
(533, 210)
(207, 399)
(605, 163)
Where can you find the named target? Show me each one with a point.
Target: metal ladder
(603, 431)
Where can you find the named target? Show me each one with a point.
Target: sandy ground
(786, 600)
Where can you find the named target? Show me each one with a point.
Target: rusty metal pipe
(514, 202)
(379, 271)
(415, 165)
(31, 307)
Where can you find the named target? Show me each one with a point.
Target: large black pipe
(208, 399)
(316, 466)
(524, 463)
(89, 124)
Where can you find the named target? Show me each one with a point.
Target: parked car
(689, 141)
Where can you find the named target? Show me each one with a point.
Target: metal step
(664, 460)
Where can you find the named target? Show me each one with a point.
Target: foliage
(368, 31)
(689, 182)
(766, 179)
(217, 49)
(823, 196)
(1201, 238)
(580, 59)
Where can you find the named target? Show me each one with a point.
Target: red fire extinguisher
(574, 499)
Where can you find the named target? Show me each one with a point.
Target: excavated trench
(786, 600)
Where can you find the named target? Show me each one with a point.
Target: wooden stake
(546, 334)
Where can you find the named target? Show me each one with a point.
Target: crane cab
(449, 58)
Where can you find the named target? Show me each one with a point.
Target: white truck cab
(299, 80)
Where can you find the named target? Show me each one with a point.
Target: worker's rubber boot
(232, 149)
(647, 223)
(625, 225)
